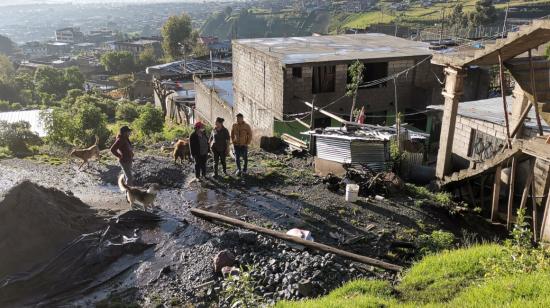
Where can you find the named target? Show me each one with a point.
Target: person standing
(122, 149)
(219, 140)
(198, 142)
(241, 136)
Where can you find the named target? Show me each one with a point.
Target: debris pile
(370, 183)
(37, 222)
(163, 171)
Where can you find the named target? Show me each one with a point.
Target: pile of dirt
(160, 170)
(36, 223)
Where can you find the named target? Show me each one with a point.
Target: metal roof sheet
(30, 116)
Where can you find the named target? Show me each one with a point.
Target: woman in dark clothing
(219, 140)
(122, 149)
(198, 142)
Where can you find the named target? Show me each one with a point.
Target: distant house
(219, 49)
(136, 47)
(71, 35)
(274, 76)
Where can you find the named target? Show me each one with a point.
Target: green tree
(18, 137)
(118, 62)
(6, 69)
(178, 36)
(127, 111)
(485, 13)
(147, 58)
(458, 19)
(50, 80)
(200, 50)
(355, 71)
(150, 121)
(73, 78)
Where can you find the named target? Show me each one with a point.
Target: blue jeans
(241, 151)
(127, 170)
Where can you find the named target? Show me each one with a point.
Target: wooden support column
(482, 192)
(503, 92)
(534, 209)
(528, 183)
(511, 193)
(453, 90)
(496, 194)
(534, 90)
(545, 229)
(471, 193)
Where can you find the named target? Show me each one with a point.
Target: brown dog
(145, 197)
(181, 150)
(88, 153)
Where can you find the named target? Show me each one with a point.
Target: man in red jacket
(122, 149)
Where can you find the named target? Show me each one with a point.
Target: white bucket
(352, 191)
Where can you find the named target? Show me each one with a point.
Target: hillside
(262, 23)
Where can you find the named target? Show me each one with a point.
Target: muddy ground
(280, 192)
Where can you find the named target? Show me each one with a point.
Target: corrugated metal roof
(30, 116)
(491, 110)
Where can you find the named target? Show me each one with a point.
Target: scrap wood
(313, 245)
(293, 141)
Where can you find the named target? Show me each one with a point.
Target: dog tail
(121, 184)
(96, 140)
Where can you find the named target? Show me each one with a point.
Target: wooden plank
(511, 193)
(310, 244)
(496, 193)
(534, 207)
(302, 122)
(545, 229)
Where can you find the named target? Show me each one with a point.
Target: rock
(222, 259)
(230, 271)
(166, 270)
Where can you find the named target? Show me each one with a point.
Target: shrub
(151, 120)
(239, 289)
(17, 137)
(5, 106)
(435, 242)
(173, 132)
(16, 106)
(438, 278)
(127, 111)
(421, 192)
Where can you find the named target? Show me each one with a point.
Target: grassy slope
(449, 279)
(418, 13)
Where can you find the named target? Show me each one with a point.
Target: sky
(14, 2)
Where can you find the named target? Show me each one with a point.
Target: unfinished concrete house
(494, 151)
(272, 77)
(214, 98)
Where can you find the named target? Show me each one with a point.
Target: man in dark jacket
(122, 149)
(219, 141)
(198, 142)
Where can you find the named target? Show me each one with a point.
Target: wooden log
(511, 192)
(302, 122)
(496, 193)
(313, 245)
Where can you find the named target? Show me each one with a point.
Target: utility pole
(505, 19)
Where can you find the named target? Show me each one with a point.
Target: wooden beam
(310, 244)
(534, 90)
(482, 192)
(496, 193)
(522, 118)
(528, 182)
(328, 114)
(503, 92)
(512, 181)
(302, 122)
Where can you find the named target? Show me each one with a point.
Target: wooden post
(534, 90)
(312, 127)
(502, 91)
(522, 118)
(534, 205)
(545, 220)
(310, 244)
(528, 182)
(496, 193)
(482, 192)
(511, 193)
(471, 193)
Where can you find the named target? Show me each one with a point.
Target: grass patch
(438, 278)
(5, 153)
(421, 192)
(358, 293)
(48, 159)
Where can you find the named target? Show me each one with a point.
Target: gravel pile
(283, 272)
(160, 170)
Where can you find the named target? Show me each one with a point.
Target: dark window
(297, 72)
(324, 79)
(375, 71)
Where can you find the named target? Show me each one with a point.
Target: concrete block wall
(207, 111)
(463, 131)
